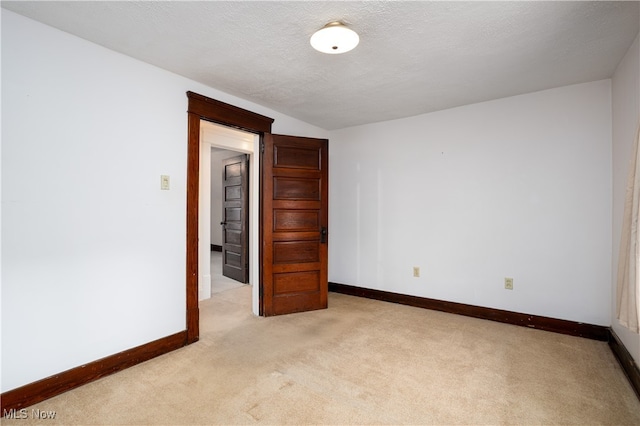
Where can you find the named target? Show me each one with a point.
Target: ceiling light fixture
(334, 38)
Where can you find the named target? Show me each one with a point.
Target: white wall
(217, 155)
(518, 187)
(93, 252)
(626, 115)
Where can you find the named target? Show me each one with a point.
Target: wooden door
(294, 224)
(235, 223)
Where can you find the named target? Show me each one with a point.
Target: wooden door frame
(204, 108)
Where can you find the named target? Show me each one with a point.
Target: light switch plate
(164, 182)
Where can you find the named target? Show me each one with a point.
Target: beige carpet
(359, 362)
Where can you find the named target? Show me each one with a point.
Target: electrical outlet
(508, 283)
(416, 271)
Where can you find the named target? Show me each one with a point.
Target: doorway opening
(203, 109)
(218, 141)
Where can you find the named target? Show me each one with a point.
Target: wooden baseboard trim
(626, 361)
(35, 392)
(595, 332)
(215, 247)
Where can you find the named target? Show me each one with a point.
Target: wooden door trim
(193, 184)
(204, 108)
(220, 112)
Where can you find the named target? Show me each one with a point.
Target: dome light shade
(334, 38)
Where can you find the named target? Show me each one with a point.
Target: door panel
(235, 181)
(295, 220)
(296, 281)
(296, 251)
(297, 157)
(294, 213)
(286, 188)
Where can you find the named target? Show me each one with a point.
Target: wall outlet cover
(508, 283)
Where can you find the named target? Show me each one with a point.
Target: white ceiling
(413, 57)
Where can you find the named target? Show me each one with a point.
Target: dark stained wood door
(294, 224)
(235, 219)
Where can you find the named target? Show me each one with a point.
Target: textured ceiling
(413, 57)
